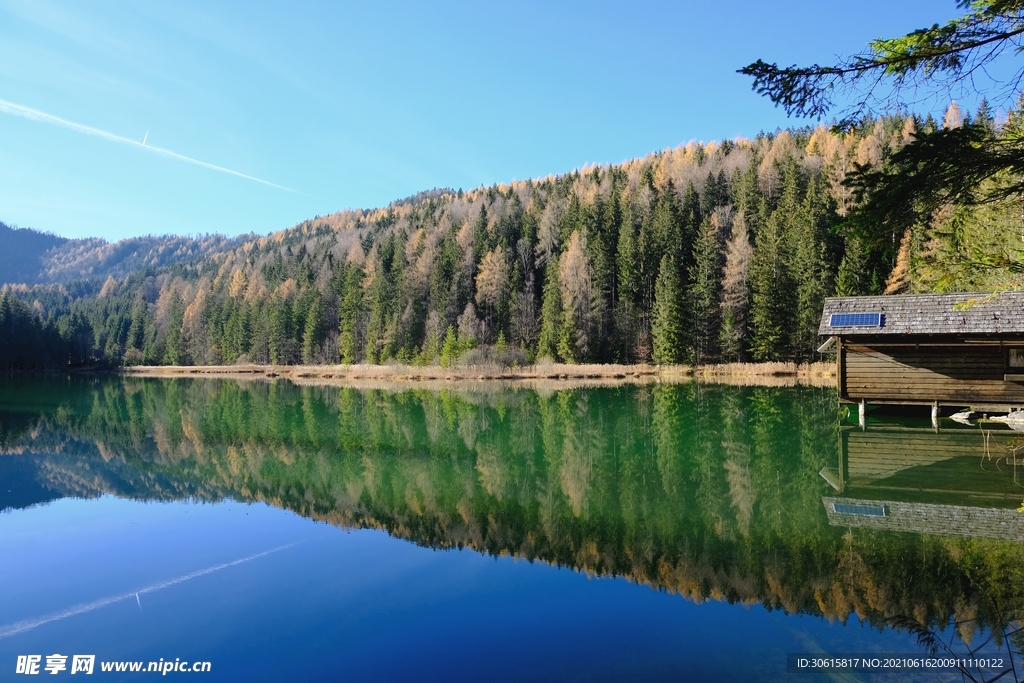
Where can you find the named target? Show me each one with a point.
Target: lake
(491, 532)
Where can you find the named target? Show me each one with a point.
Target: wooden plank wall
(961, 373)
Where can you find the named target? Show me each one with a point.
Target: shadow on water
(755, 495)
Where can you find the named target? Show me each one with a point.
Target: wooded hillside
(707, 252)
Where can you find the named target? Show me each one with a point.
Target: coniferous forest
(704, 253)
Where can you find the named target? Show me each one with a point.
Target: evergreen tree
(771, 293)
(813, 266)
(351, 305)
(628, 260)
(137, 330)
(704, 292)
(312, 335)
(281, 341)
(551, 314)
(670, 233)
(853, 278)
(174, 344)
(668, 325)
(450, 349)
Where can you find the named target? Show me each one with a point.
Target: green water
(705, 493)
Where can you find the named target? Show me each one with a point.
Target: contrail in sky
(36, 115)
(29, 624)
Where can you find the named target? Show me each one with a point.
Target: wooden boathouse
(964, 350)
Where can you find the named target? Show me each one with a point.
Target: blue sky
(357, 104)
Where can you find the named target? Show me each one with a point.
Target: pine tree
(174, 344)
(703, 293)
(450, 349)
(351, 305)
(813, 266)
(280, 342)
(771, 293)
(628, 262)
(853, 278)
(670, 231)
(551, 314)
(137, 330)
(668, 326)
(312, 335)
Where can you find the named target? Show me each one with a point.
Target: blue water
(177, 521)
(331, 605)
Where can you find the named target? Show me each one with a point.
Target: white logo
(28, 664)
(83, 664)
(56, 663)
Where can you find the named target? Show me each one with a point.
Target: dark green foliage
(668, 325)
(962, 164)
(704, 294)
(313, 334)
(26, 343)
(174, 349)
(949, 165)
(450, 350)
(550, 314)
(772, 292)
(853, 278)
(939, 58)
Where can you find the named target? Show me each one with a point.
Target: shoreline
(753, 374)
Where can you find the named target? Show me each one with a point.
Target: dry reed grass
(563, 375)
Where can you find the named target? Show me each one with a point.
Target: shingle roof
(930, 314)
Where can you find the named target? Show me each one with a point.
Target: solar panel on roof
(856, 320)
(853, 509)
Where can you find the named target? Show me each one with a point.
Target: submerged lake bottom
(674, 532)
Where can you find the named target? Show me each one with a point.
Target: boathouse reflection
(948, 480)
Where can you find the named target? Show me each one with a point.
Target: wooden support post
(935, 416)
(863, 420)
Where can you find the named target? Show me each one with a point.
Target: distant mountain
(22, 251)
(31, 257)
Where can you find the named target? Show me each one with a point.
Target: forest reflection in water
(710, 492)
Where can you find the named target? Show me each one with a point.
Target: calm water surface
(668, 532)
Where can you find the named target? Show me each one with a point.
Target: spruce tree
(813, 267)
(550, 313)
(312, 335)
(174, 344)
(280, 331)
(351, 305)
(703, 293)
(853, 278)
(771, 288)
(669, 230)
(450, 349)
(667, 328)
(137, 330)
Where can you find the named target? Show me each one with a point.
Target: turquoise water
(664, 532)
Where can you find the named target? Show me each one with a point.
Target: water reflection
(708, 492)
(950, 480)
